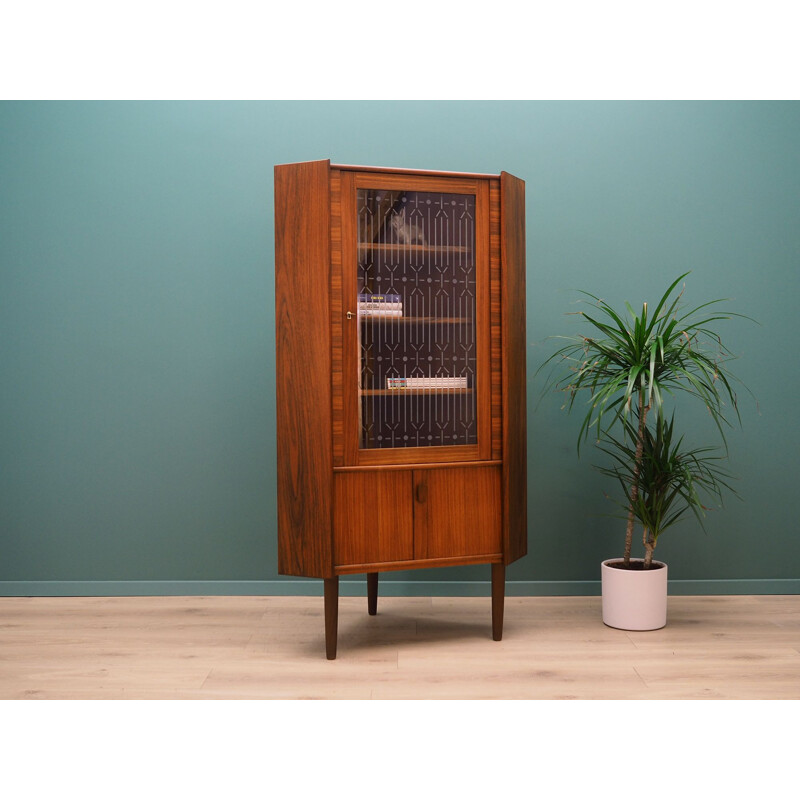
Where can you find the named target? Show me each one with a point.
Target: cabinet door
(373, 518)
(457, 512)
(416, 373)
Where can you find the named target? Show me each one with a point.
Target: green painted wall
(137, 443)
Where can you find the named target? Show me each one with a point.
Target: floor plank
(732, 647)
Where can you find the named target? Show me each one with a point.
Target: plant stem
(649, 546)
(634, 496)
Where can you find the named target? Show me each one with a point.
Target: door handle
(422, 492)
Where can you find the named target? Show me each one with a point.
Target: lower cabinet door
(457, 512)
(384, 517)
(373, 517)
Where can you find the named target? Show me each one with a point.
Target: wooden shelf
(417, 320)
(412, 248)
(398, 392)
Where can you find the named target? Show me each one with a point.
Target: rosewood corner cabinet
(400, 372)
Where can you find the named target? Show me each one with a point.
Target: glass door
(418, 298)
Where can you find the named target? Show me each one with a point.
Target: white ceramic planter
(634, 599)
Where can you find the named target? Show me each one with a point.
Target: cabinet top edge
(401, 171)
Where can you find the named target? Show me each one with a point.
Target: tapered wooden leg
(498, 597)
(331, 615)
(372, 593)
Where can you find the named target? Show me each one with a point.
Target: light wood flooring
(731, 647)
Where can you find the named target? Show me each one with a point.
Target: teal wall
(137, 441)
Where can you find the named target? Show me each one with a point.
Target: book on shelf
(380, 305)
(427, 383)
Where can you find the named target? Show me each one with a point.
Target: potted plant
(671, 480)
(627, 371)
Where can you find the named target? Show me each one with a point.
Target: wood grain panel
(495, 319)
(337, 320)
(388, 456)
(421, 563)
(416, 465)
(482, 319)
(350, 346)
(457, 512)
(373, 517)
(515, 484)
(408, 181)
(302, 367)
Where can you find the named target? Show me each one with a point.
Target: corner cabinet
(400, 371)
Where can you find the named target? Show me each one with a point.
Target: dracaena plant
(671, 478)
(629, 364)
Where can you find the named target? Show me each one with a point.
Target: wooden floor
(731, 647)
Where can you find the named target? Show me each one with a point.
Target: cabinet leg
(331, 615)
(498, 597)
(372, 593)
